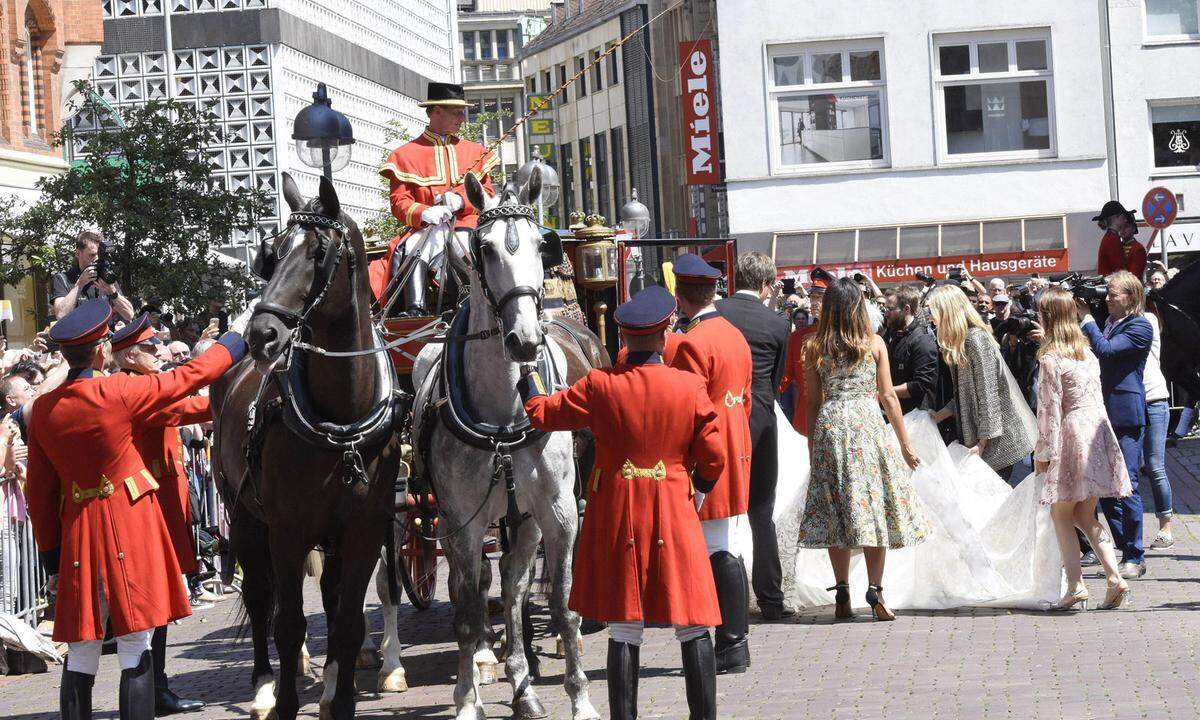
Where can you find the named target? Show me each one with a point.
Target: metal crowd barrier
(22, 579)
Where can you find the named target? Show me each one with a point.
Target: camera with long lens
(1020, 324)
(104, 270)
(1092, 289)
(927, 279)
(820, 274)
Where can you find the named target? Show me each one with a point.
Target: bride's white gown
(990, 544)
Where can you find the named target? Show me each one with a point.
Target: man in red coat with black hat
(95, 510)
(711, 347)
(641, 554)
(157, 439)
(1119, 249)
(427, 195)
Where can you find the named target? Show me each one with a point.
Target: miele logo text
(699, 112)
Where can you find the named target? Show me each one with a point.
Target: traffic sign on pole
(1159, 208)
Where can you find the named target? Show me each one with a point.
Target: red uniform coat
(793, 372)
(421, 170)
(714, 349)
(1114, 256)
(91, 495)
(641, 553)
(161, 448)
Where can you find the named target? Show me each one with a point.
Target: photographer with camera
(1122, 348)
(912, 351)
(91, 277)
(1020, 337)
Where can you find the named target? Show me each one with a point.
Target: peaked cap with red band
(692, 269)
(87, 323)
(647, 313)
(136, 331)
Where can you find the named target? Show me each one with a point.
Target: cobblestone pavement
(969, 663)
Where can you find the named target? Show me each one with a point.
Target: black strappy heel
(875, 600)
(842, 610)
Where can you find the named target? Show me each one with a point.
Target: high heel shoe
(841, 610)
(1068, 602)
(875, 600)
(1112, 603)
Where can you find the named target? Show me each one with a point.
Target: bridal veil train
(989, 545)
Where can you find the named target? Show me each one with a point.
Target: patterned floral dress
(860, 494)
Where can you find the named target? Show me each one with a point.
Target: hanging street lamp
(323, 135)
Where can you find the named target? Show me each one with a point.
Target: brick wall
(58, 24)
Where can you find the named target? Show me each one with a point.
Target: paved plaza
(970, 663)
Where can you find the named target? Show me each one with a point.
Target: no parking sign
(1159, 208)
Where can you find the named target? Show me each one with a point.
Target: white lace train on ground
(990, 545)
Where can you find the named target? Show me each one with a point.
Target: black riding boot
(414, 290)
(733, 595)
(75, 695)
(137, 691)
(166, 702)
(700, 678)
(623, 662)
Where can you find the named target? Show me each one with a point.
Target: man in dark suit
(1122, 348)
(767, 335)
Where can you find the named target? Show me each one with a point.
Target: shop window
(794, 249)
(1044, 234)
(877, 244)
(835, 247)
(960, 239)
(995, 92)
(1172, 19)
(919, 241)
(1175, 129)
(828, 104)
(1002, 236)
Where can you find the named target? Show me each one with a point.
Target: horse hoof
(529, 707)
(263, 714)
(367, 659)
(487, 672)
(585, 711)
(393, 682)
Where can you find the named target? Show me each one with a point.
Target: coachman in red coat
(1119, 249)
(426, 178)
(714, 349)
(135, 348)
(95, 510)
(641, 555)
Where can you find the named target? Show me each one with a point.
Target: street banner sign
(893, 271)
(698, 94)
(538, 103)
(541, 126)
(1159, 208)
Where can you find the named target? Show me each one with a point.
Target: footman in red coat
(157, 440)
(641, 555)
(711, 347)
(95, 509)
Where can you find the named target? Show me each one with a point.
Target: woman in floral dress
(1077, 453)
(859, 495)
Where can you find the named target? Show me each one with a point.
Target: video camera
(1092, 289)
(1020, 324)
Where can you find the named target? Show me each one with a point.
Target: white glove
(239, 323)
(436, 215)
(699, 500)
(451, 200)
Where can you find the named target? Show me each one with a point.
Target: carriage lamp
(597, 254)
(323, 135)
(550, 183)
(635, 217)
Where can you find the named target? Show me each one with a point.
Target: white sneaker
(1162, 541)
(205, 596)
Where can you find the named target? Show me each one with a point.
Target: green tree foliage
(145, 182)
(384, 226)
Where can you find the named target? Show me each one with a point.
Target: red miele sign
(981, 266)
(699, 113)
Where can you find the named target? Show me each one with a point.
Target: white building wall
(1148, 70)
(918, 186)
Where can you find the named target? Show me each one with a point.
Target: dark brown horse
(316, 465)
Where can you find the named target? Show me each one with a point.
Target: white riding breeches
(83, 656)
(720, 534)
(630, 632)
(434, 249)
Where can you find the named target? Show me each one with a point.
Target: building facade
(492, 34)
(254, 64)
(46, 46)
(885, 135)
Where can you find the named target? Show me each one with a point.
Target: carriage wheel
(418, 565)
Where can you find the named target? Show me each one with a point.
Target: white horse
(504, 328)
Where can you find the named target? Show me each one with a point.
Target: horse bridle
(509, 215)
(328, 258)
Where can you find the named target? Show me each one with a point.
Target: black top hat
(1111, 208)
(440, 93)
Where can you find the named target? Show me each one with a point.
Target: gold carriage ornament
(597, 254)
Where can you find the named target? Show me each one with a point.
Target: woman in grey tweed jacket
(984, 408)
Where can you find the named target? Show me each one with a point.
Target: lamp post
(635, 217)
(550, 184)
(323, 135)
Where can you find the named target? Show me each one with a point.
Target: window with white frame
(827, 104)
(1175, 133)
(995, 95)
(1172, 19)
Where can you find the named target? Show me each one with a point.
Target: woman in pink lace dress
(1076, 452)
